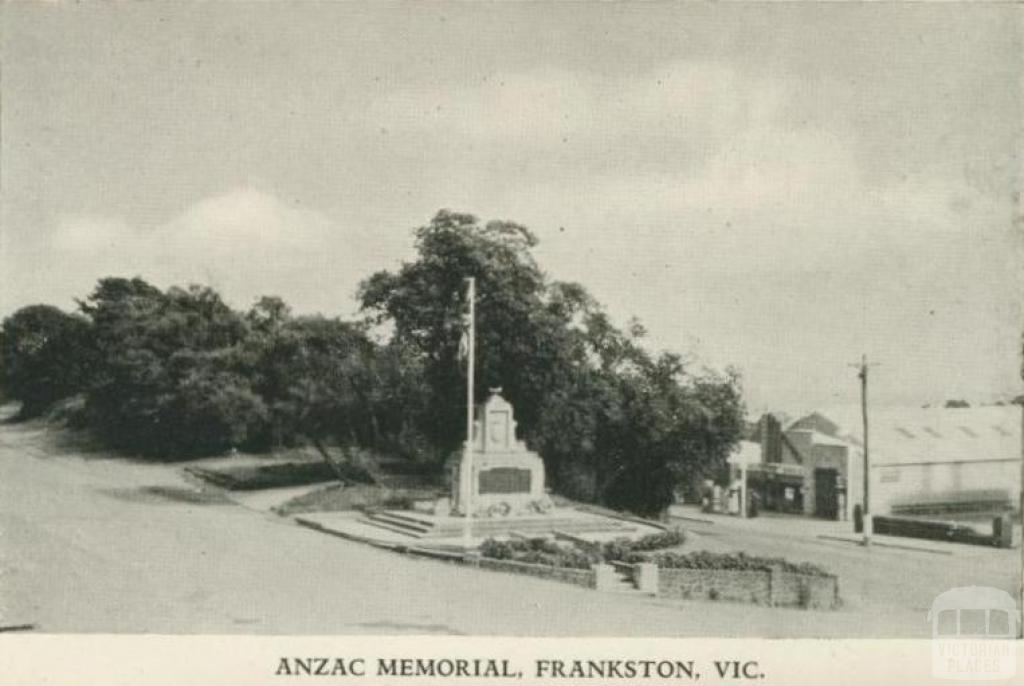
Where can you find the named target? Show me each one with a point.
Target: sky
(781, 188)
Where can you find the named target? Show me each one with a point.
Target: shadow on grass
(167, 494)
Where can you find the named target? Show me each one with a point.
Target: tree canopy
(178, 373)
(613, 422)
(45, 355)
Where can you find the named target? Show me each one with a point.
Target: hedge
(539, 551)
(546, 552)
(734, 562)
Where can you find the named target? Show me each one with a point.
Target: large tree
(45, 355)
(426, 303)
(612, 422)
(167, 381)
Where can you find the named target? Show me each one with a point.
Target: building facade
(801, 471)
(959, 462)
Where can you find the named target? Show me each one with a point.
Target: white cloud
(694, 196)
(245, 243)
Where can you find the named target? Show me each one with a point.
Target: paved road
(894, 583)
(90, 543)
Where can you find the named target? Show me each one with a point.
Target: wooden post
(867, 460)
(743, 488)
(468, 456)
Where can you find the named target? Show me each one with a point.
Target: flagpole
(471, 358)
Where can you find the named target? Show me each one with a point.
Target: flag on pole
(465, 325)
(464, 342)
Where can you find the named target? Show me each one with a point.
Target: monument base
(417, 524)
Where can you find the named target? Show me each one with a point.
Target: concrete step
(425, 521)
(494, 527)
(406, 524)
(390, 527)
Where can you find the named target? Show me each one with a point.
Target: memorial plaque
(505, 480)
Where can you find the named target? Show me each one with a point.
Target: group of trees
(178, 373)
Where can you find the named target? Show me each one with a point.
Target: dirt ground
(95, 543)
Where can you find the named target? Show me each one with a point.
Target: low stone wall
(579, 577)
(804, 590)
(715, 584)
(765, 588)
(787, 589)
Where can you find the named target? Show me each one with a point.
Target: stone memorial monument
(500, 477)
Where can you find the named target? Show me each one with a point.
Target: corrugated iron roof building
(932, 460)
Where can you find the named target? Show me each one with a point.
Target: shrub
(627, 550)
(545, 552)
(664, 539)
(734, 562)
(539, 551)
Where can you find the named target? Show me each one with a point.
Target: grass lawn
(278, 475)
(341, 497)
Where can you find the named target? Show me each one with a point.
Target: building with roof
(961, 463)
(799, 470)
(933, 461)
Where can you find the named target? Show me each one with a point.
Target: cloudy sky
(776, 187)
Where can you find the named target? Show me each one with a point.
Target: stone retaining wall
(804, 590)
(788, 589)
(765, 588)
(579, 577)
(716, 584)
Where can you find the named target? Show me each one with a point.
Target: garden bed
(276, 475)
(343, 497)
(649, 563)
(735, 562)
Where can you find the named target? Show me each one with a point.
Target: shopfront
(777, 486)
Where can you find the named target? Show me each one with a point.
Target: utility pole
(467, 471)
(862, 374)
(743, 486)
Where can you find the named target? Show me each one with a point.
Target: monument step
(399, 522)
(538, 526)
(391, 527)
(409, 516)
(419, 524)
(624, 585)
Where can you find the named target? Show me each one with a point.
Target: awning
(776, 472)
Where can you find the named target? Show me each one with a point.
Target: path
(90, 543)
